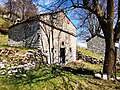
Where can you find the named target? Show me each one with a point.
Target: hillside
(57, 78)
(74, 76)
(3, 40)
(4, 24)
(89, 53)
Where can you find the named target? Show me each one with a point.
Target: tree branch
(72, 2)
(100, 16)
(117, 26)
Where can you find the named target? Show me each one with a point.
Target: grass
(56, 78)
(86, 65)
(4, 23)
(89, 53)
(3, 40)
(76, 76)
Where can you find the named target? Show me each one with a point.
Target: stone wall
(90, 59)
(97, 45)
(23, 34)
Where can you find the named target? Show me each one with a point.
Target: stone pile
(92, 60)
(13, 63)
(89, 59)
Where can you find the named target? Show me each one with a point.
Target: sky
(1, 2)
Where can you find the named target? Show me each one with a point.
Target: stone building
(96, 44)
(54, 33)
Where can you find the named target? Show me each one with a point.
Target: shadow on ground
(55, 77)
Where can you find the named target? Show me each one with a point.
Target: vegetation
(106, 13)
(75, 76)
(22, 8)
(3, 40)
(57, 78)
(4, 24)
(89, 53)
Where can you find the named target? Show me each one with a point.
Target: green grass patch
(118, 74)
(89, 53)
(4, 23)
(86, 65)
(56, 78)
(3, 40)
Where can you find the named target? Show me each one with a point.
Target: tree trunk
(109, 62)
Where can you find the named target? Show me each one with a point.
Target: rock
(2, 51)
(118, 78)
(13, 67)
(88, 58)
(16, 54)
(3, 73)
(2, 66)
(98, 75)
(20, 66)
(14, 71)
(112, 79)
(104, 76)
(24, 75)
(10, 72)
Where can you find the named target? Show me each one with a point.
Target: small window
(70, 49)
(52, 49)
(63, 43)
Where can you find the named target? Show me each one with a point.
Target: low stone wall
(90, 59)
(13, 63)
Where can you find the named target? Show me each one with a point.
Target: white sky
(82, 44)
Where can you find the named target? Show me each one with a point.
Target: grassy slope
(3, 40)
(89, 53)
(4, 24)
(56, 78)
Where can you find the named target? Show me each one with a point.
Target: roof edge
(36, 16)
(94, 36)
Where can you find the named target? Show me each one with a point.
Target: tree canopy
(23, 8)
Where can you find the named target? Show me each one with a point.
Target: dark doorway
(62, 55)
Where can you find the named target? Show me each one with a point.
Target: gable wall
(37, 34)
(97, 45)
(23, 34)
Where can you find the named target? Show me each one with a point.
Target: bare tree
(24, 8)
(87, 23)
(104, 11)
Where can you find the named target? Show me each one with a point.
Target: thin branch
(117, 27)
(84, 20)
(72, 2)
